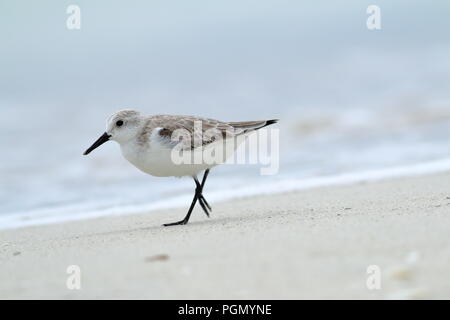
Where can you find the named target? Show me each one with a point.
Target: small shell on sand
(158, 257)
(403, 272)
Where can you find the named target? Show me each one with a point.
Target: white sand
(310, 244)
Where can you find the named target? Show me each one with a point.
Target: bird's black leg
(186, 219)
(198, 196)
(201, 197)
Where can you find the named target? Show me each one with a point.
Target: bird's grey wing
(190, 132)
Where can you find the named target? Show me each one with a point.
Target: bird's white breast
(157, 160)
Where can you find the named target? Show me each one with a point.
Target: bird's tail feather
(248, 126)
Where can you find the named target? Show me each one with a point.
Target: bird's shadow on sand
(154, 229)
(192, 226)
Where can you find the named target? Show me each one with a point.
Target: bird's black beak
(105, 137)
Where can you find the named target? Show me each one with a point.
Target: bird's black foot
(184, 221)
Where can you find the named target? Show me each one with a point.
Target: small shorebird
(149, 142)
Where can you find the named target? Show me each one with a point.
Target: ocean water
(353, 104)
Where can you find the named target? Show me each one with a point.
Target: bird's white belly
(160, 162)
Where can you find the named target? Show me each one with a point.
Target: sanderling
(151, 144)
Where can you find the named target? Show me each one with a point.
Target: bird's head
(121, 126)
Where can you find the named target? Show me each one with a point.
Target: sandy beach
(299, 245)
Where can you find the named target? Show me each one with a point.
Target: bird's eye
(119, 123)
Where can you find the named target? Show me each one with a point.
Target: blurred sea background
(353, 104)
